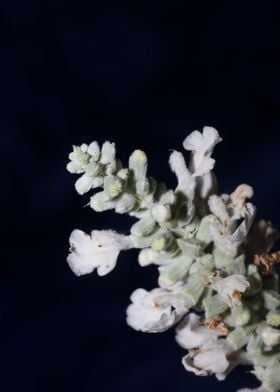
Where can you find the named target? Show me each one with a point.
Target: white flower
(191, 332)
(230, 288)
(155, 311)
(199, 174)
(225, 234)
(99, 250)
(202, 146)
(211, 357)
(186, 183)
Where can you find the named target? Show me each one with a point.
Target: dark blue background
(143, 74)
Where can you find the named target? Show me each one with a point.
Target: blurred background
(142, 74)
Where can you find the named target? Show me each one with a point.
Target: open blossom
(99, 250)
(210, 358)
(199, 173)
(155, 311)
(202, 146)
(191, 332)
(226, 234)
(230, 288)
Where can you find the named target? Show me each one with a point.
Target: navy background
(143, 74)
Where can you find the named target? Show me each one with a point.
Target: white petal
(206, 185)
(191, 332)
(237, 204)
(210, 358)
(74, 167)
(161, 212)
(202, 142)
(202, 145)
(241, 193)
(194, 141)
(230, 286)
(217, 207)
(84, 184)
(147, 256)
(153, 311)
(243, 229)
(138, 295)
(230, 241)
(205, 165)
(211, 137)
(271, 336)
(214, 361)
(94, 150)
(178, 165)
(108, 153)
(80, 260)
(100, 250)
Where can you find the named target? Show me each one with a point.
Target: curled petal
(154, 311)
(243, 229)
(238, 199)
(210, 358)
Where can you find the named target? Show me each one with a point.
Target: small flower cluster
(217, 279)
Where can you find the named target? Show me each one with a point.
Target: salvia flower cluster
(217, 281)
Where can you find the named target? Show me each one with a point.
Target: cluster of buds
(217, 281)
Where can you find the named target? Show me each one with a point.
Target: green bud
(138, 163)
(108, 153)
(271, 299)
(143, 227)
(241, 315)
(214, 306)
(163, 241)
(94, 151)
(203, 233)
(100, 202)
(193, 289)
(125, 203)
(112, 186)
